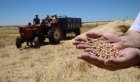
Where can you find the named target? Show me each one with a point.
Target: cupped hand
(127, 57)
(81, 43)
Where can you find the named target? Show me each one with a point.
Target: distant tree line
(103, 21)
(11, 26)
(97, 21)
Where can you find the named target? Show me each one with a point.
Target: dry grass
(54, 63)
(8, 30)
(87, 26)
(8, 35)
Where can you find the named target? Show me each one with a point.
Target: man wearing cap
(43, 21)
(36, 20)
(47, 19)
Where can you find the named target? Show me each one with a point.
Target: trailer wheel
(55, 35)
(64, 35)
(18, 43)
(77, 32)
(36, 41)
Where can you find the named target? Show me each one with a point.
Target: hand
(127, 58)
(81, 43)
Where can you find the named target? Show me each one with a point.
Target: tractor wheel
(64, 35)
(36, 41)
(41, 40)
(55, 35)
(77, 32)
(18, 43)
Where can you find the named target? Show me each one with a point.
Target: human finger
(93, 35)
(82, 56)
(99, 62)
(80, 39)
(126, 57)
(89, 50)
(83, 46)
(78, 42)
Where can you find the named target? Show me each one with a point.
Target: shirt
(136, 25)
(36, 21)
(54, 20)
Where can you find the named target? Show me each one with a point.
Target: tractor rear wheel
(36, 41)
(55, 35)
(18, 43)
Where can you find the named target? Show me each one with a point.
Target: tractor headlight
(20, 28)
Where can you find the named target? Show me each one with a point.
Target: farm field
(58, 63)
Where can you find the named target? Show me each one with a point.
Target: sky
(20, 12)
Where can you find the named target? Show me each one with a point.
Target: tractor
(54, 32)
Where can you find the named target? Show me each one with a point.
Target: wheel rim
(56, 34)
(18, 43)
(37, 42)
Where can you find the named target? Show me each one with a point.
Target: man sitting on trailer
(54, 19)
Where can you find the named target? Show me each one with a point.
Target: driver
(47, 19)
(36, 20)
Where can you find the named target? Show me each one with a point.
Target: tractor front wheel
(36, 41)
(18, 42)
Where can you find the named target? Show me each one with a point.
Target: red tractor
(54, 32)
(37, 33)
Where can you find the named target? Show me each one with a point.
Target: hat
(47, 15)
(36, 14)
(55, 14)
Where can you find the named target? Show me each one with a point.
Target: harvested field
(58, 63)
